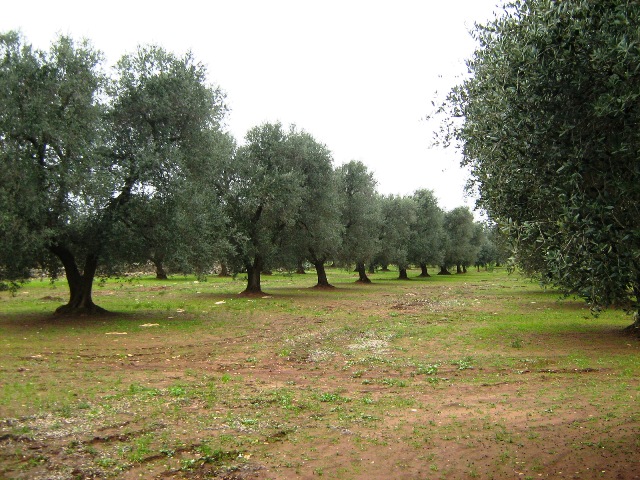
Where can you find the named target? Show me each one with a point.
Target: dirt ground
(293, 395)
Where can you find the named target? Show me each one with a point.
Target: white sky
(359, 75)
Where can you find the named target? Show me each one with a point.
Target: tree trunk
(160, 273)
(224, 270)
(385, 267)
(362, 273)
(443, 270)
(464, 269)
(372, 268)
(80, 284)
(300, 269)
(322, 275)
(253, 276)
(424, 272)
(458, 269)
(403, 273)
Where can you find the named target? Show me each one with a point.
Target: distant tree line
(102, 171)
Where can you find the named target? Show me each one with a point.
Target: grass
(396, 379)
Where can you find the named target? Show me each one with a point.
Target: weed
(177, 391)
(430, 369)
(106, 462)
(464, 363)
(332, 398)
(367, 400)
(187, 464)
(394, 382)
(140, 449)
(168, 452)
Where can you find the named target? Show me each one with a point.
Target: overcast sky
(359, 75)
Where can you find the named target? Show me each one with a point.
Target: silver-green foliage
(549, 127)
(426, 247)
(461, 242)
(399, 215)
(49, 124)
(90, 156)
(317, 233)
(262, 200)
(360, 213)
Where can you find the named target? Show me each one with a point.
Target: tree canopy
(317, 234)
(461, 243)
(427, 242)
(86, 153)
(549, 127)
(360, 216)
(398, 217)
(262, 202)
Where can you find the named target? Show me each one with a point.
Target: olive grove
(105, 169)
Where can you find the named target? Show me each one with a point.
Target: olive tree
(317, 233)
(82, 152)
(489, 251)
(262, 197)
(50, 122)
(183, 229)
(549, 128)
(398, 217)
(427, 242)
(360, 216)
(461, 243)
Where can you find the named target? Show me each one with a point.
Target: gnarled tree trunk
(322, 274)
(253, 276)
(224, 270)
(362, 273)
(300, 269)
(160, 272)
(443, 270)
(80, 284)
(402, 273)
(423, 270)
